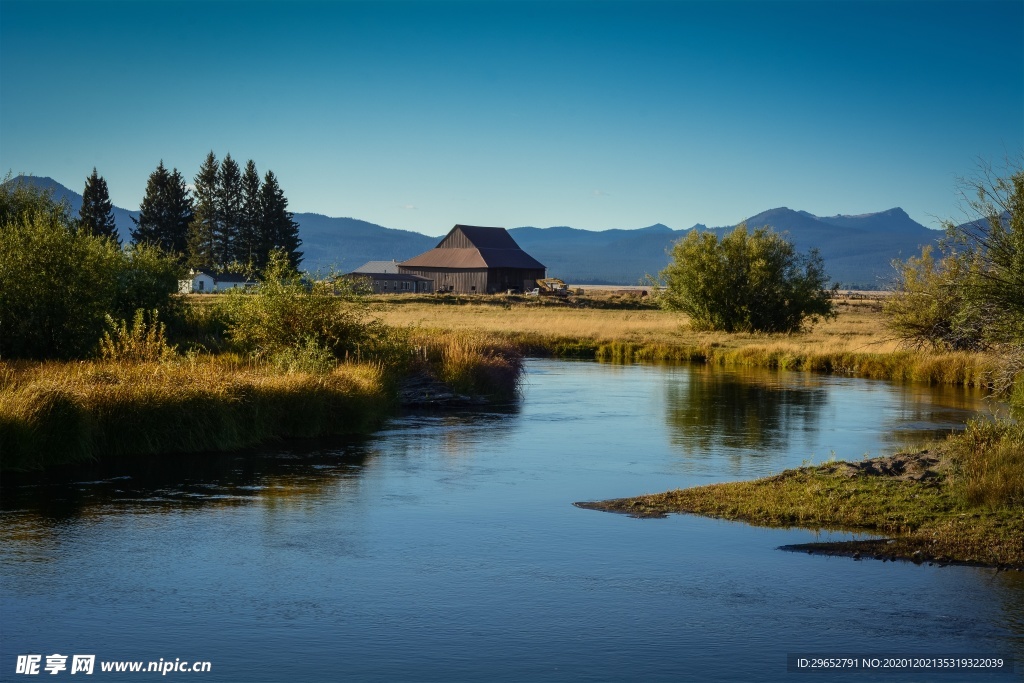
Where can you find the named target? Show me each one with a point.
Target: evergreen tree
(249, 242)
(204, 228)
(277, 228)
(165, 212)
(96, 216)
(229, 209)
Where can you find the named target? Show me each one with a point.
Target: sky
(594, 114)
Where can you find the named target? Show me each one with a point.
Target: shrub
(58, 284)
(287, 313)
(141, 343)
(745, 282)
(972, 297)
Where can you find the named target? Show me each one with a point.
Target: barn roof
(389, 277)
(488, 248)
(377, 267)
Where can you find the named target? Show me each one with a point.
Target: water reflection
(708, 409)
(445, 547)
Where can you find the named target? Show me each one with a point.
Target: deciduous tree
(746, 282)
(972, 296)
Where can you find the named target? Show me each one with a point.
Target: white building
(206, 282)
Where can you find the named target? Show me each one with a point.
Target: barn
(383, 277)
(473, 259)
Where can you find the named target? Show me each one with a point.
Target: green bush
(745, 282)
(58, 284)
(287, 317)
(929, 308)
(142, 342)
(972, 297)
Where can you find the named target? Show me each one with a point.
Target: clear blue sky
(419, 115)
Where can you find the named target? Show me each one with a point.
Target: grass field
(621, 328)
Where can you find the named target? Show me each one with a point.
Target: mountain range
(857, 250)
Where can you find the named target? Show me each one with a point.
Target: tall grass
(855, 344)
(989, 464)
(472, 364)
(56, 413)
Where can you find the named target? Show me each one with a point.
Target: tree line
(228, 220)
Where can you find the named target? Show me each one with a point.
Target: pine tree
(229, 209)
(204, 228)
(165, 212)
(96, 216)
(277, 228)
(249, 244)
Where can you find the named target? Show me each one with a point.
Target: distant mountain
(857, 250)
(122, 217)
(344, 244)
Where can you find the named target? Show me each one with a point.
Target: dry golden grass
(854, 343)
(858, 328)
(54, 413)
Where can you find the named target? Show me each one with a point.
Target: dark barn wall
(502, 279)
(462, 281)
(478, 280)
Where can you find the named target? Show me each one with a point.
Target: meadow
(618, 327)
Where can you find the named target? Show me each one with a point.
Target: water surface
(446, 546)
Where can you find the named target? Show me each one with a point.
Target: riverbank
(623, 329)
(957, 502)
(56, 413)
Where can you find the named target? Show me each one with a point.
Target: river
(446, 546)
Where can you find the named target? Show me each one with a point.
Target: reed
(989, 464)
(55, 413)
(856, 343)
(472, 364)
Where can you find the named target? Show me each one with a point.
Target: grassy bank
(855, 343)
(57, 413)
(959, 502)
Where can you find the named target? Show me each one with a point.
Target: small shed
(204, 281)
(383, 278)
(476, 259)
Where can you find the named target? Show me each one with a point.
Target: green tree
(746, 282)
(20, 198)
(929, 308)
(59, 283)
(165, 212)
(204, 228)
(96, 216)
(229, 212)
(972, 296)
(249, 245)
(278, 229)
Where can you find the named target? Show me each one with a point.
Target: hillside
(857, 250)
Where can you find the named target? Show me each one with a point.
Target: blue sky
(422, 114)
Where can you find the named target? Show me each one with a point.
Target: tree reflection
(711, 409)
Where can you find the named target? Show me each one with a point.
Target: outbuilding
(204, 281)
(474, 260)
(383, 278)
